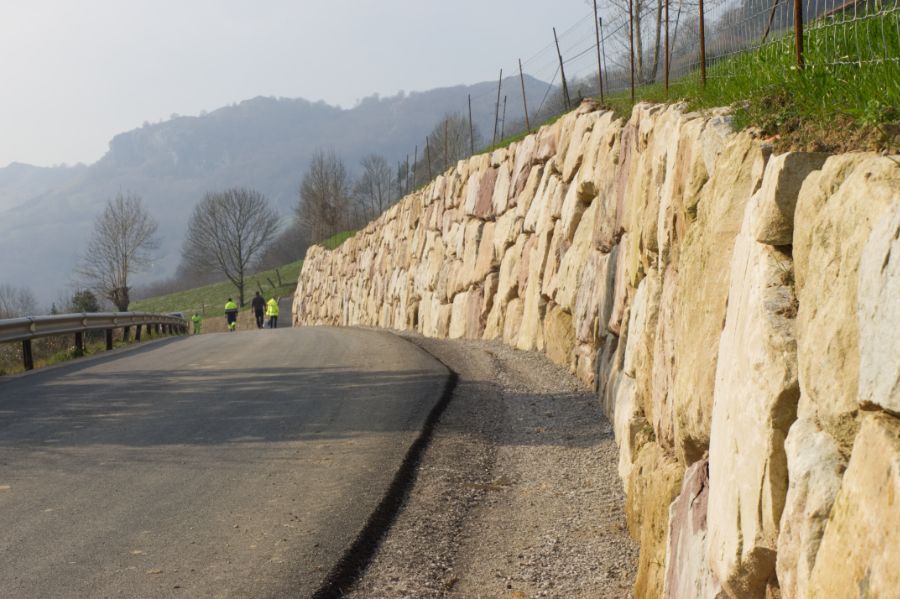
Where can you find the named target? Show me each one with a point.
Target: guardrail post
(126, 333)
(79, 344)
(137, 332)
(26, 354)
(149, 330)
(109, 341)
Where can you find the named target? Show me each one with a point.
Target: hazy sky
(76, 72)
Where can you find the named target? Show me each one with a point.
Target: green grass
(337, 239)
(48, 351)
(210, 299)
(847, 106)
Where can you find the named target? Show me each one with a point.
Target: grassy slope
(210, 299)
(823, 108)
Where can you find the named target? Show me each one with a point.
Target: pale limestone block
(755, 402)
(687, 569)
(878, 314)
(858, 554)
(815, 467)
(836, 213)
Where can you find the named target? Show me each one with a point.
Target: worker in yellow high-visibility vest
(231, 313)
(272, 312)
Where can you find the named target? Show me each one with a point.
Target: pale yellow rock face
(816, 467)
(654, 483)
(531, 333)
(569, 276)
(631, 428)
(702, 293)
(878, 314)
(858, 555)
(687, 568)
(755, 402)
(559, 336)
(839, 219)
(778, 196)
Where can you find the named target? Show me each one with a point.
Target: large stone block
(512, 321)
(878, 313)
(836, 212)
(703, 275)
(655, 482)
(688, 575)
(531, 333)
(858, 554)
(631, 429)
(815, 468)
(777, 198)
(569, 276)
(459, 316)
(755, 402)
(559, 336)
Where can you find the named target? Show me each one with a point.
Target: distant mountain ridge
(264, 143)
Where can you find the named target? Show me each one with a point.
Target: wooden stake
(503, 121)
(667, 47)
(497, 108)
(562, 70)
(631, 42)
(702, 46)
(447, 140)
(524, 98)
(471, 130)
(415, 168)
(599, 58)
(428, 156)
(603, 51)
(798, 32)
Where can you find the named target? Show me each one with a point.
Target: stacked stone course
(737, 312)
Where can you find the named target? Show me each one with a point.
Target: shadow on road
(209, 407)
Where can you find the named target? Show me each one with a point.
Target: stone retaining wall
(737, 312)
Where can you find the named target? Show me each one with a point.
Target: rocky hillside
(736, 310)
(263, 143)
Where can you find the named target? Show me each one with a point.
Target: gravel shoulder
(516, 496)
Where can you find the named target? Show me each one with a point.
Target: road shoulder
(516, 496)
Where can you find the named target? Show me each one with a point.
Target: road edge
(360, 553)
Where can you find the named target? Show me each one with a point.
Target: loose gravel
(517, 495)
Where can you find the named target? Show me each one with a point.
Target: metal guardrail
(26, 328)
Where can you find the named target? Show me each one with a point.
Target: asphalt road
(225, 465)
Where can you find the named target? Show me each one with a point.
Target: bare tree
(121, 244)
(289, 246)
(374, 190)
(227, 233)
(448, 143)
(325, 195)
(16, 301)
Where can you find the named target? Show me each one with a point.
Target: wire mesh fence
(619, 46)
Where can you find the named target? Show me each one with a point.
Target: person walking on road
(196, 320)
(272, 312)
(231, 312)
(259, 306)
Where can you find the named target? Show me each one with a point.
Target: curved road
(226, 465)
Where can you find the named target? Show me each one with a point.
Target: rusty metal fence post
(524, 98)
(562, 71)
(798, 32)
(702, 46)
(631, 42)
(599, 57)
